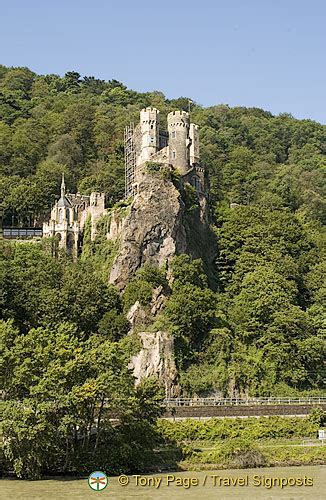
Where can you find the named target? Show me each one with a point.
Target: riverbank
(205, 455)
(269, 456)
(190, 445)
(239, 443)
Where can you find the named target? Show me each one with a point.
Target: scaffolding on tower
(130, 160)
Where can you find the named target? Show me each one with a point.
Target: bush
(141, 286)
(139, 290)
(153, 167)
(190, 197)
(113, 326)
(153, 275)
(242, 453)
(231, 428)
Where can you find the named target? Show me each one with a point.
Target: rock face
(156, 358)
(156, 228)
(137, 315)
(152, 232)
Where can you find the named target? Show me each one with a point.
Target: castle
(69, 215)
(178, 148)
(146, 143)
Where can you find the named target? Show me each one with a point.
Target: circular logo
(97, 480)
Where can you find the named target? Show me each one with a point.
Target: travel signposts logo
(97, 480)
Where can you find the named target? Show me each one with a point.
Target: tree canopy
(64, 339)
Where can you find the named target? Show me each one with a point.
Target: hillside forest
(258, 331)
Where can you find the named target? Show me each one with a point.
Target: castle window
(174, 155)
(196, 183)
(152, 126)
(173, 134)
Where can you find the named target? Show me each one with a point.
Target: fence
(22, 232)
(176, 402)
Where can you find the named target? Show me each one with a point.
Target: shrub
(151, 274)
(113, 326)
(139, 290)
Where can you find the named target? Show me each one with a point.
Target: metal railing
(173, 402)
(22, 232)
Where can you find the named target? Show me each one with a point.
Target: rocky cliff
(156, 358)
(156, 229)
(152, 232)
(159, 224)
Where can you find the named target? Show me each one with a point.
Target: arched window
(68, 215)
(60, 215)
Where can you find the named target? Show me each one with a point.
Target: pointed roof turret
(63, 202)
(63, 186)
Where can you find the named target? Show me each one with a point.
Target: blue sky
(263, 53)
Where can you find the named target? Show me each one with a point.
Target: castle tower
(149, 130)
(194, 144)
(178, 128)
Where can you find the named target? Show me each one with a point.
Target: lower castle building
(69, 215)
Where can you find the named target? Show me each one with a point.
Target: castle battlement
(150, 110)
(178, 119)
(178, 114)
(148, 115)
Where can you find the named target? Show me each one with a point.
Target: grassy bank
(242, 443)
(246, 455)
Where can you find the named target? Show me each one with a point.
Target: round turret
(178, 128)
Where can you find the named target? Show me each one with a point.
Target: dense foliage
(246, 442)
(64, 371)
(254, 428)
(259, 332)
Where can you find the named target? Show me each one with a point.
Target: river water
(245, 484)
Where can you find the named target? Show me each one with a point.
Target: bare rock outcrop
(156, 358)
(137, 315)
(153, 231)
